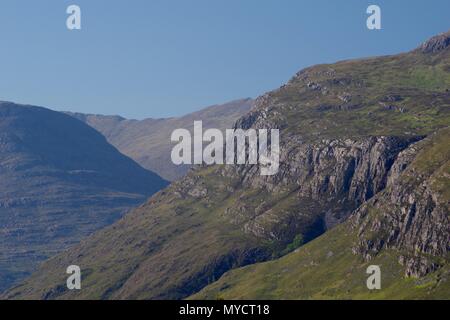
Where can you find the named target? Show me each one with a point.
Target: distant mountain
(364, 178)
(148, 141)
(59, 181)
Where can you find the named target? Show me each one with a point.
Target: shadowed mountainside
(59, 182)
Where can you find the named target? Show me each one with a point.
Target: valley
(148, 141)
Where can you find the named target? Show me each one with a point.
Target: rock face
(334, 176)
(339, 174)
(403, 229)
(148, 141)
(340, 149)
(59, 182)
(412, 214)
(437, 43)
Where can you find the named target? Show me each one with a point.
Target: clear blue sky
(158, 58)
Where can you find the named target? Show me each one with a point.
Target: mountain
(148, 141)
(351, 135)
(403, 229)
(59, 182)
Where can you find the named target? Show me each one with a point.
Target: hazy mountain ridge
(343, 128)
(59, 181)
(148, 141)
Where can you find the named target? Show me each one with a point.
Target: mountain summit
(437, 43)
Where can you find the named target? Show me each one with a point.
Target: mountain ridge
(148, 141)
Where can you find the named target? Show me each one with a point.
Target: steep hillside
(59, 181)
(342, 128)
(148, 141)
(405, 230)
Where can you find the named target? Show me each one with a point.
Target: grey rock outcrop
(437, 43)
(409, 216)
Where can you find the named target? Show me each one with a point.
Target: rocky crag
(404, 229)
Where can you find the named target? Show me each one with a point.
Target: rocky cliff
(404, 230)
(412, 214)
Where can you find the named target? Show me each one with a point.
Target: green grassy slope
(326, 269)
(396, 95)
(156, 250)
